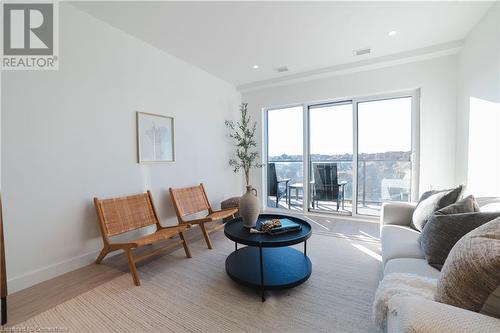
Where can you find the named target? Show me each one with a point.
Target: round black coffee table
(268, 263)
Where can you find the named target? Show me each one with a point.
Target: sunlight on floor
(368, 235)
(368, 251)
(317, 223)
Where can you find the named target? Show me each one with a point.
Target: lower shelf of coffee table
(284, 267)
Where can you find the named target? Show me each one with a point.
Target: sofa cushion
(427, 194)
(432, 203)
(442, 232)
(400, 242)
(466, 205)
(489, 204)
(411, 266)
(492, 305)
(417, 314)
(471, 272)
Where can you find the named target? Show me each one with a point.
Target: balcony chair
(326, 186)
(121, 215)
(273, 185)
(192, 200)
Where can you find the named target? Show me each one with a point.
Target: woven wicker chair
(120, 215)
(191, 200)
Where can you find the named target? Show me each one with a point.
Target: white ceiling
(228, 38)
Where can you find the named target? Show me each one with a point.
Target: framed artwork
(155, 138)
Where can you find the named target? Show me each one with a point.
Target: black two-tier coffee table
(268, 263)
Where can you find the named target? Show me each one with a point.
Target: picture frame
(155, 138)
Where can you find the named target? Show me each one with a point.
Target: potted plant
(243, 134)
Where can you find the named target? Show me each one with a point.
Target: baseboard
(36, 276)
(31, 278)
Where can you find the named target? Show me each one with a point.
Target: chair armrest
(181, 227)
(399, 213)
(226, 209)
(415, 314)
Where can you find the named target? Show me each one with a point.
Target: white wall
(70, 135)
(437, 80)
(479, 92)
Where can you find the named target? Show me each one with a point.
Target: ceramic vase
(249, 207)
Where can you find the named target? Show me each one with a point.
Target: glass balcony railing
(379, 180)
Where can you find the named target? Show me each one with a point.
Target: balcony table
(298, 186)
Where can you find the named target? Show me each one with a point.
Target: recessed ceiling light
(392, 33)
(255, 67)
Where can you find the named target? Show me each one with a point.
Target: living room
(250, 166)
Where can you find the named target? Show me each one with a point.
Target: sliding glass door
(284, 157)
(345, 157)
(384, 153)
(330, 157)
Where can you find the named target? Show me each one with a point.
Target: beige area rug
(196, 295)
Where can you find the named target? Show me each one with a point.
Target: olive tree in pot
(243, 134)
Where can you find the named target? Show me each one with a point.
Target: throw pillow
(442, 232)
(492, 306)
(430, 204)
(472, 271)
(466, 205)
(427, 194)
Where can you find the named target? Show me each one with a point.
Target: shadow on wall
(169, 214)
(483, 176)
(91, 229)
(161, 198)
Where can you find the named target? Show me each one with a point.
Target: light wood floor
(41, 297)
(31, 301)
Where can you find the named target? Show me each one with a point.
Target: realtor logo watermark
(30, 36)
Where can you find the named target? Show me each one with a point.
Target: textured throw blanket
(399, 284)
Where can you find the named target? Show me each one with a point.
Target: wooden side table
(233, 202)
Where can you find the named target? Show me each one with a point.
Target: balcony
(380, 180)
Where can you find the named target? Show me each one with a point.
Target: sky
(382, 126)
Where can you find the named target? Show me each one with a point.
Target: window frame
(355, 100)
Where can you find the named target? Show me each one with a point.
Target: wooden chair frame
(161, 233)
(203, 205)
(3, 271)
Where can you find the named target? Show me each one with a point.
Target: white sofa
(401, 253)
